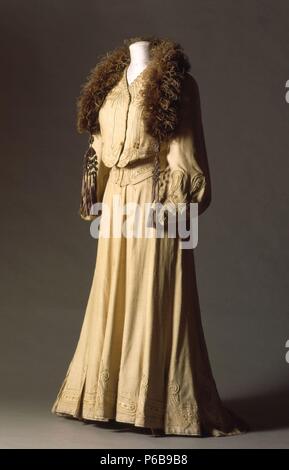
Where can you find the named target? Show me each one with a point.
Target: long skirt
(141, 357)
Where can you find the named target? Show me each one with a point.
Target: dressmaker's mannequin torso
(139, 59)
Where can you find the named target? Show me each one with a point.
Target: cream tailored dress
(141, 357)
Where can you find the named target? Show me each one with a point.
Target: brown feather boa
(162, 92)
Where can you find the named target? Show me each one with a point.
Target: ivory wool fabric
(141, 357)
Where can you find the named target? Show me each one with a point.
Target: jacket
(154, 119)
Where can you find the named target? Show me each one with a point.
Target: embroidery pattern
(176, 190)
(131, 153)
(175, 415)
(126, 405)
(197, 183)
(143, 408)
(100, 398)
(181, 414)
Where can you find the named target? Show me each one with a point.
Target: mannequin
(139, 59)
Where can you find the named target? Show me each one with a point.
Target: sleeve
(94, 177)
(189, 179)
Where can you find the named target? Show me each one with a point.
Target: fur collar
(162, 90)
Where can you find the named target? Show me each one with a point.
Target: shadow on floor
(122, 427)
(264, 412)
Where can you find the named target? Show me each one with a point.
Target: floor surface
(33, 426)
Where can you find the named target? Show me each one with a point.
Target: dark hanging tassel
(156, 173)
(89, 182)
(155, 191)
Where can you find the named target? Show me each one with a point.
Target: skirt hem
(166, 432)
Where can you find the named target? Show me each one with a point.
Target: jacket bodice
(122, 140)
(121, 126)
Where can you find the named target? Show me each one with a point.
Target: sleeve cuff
(184, 188)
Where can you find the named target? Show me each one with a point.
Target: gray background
(239, 57)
